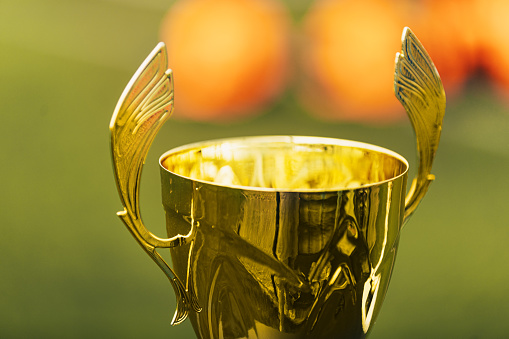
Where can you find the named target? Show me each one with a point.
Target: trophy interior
(286, 163)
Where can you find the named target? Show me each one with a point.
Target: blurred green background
(69, 268)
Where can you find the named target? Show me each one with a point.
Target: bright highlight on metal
(278, 236)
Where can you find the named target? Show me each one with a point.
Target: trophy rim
(297, 139)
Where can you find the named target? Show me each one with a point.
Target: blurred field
(68, 267)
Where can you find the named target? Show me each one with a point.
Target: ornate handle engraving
(418, 87)
(143, 107)
(147, 102)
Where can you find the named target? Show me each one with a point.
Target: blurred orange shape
(493, 34)
(229, 57)
(348, 54)
(448, 31)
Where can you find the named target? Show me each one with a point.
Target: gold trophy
(276, 236)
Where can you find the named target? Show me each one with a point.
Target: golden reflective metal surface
(418, 87)
(271, 260)
(145, 104)
(276, 237)
(286, 163)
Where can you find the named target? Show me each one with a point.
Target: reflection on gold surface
(276, 237)
(285, 163)
(269, 260)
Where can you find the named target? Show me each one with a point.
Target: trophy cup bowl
(276, 236)
(293, 235)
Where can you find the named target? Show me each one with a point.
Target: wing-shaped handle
(145, 104)
(418, 87)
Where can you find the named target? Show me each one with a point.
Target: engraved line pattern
(418, 87)
(144, 106)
